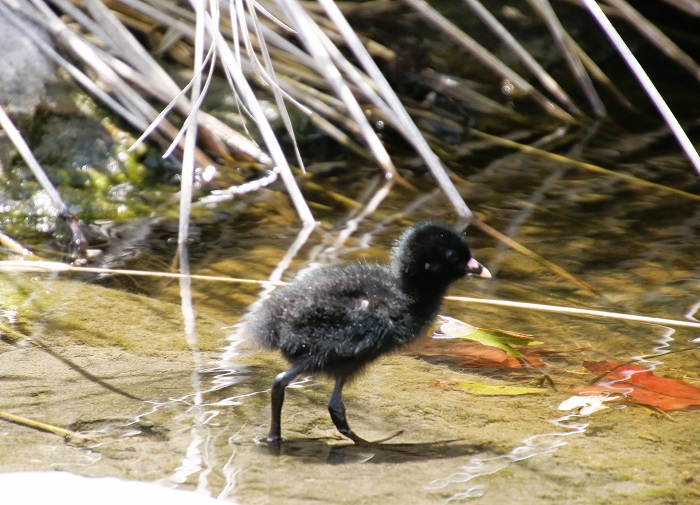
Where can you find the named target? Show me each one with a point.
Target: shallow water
(109, 357)
(190, 412)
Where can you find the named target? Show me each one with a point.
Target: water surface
(191, 413)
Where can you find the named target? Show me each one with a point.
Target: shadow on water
(320, 451)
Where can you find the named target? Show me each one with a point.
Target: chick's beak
(476, 268)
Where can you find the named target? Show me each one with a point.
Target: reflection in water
(535, 445)
(193, 462)
(283, 265)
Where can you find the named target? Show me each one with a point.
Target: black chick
(338, 320)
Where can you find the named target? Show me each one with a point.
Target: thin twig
(582, 164)
(243, 87)
(577, 311)
(564, 43)
(657, 37)
(25, 151)
(62, 432)
(321, 49)
(409, 128)
(488, 59)
(528, 60)
(646, 83)
(54, 266)
(17, 248)
(517, 246)
(57, 267)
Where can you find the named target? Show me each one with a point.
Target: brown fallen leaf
(473, 354)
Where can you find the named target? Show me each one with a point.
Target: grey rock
(25, 69)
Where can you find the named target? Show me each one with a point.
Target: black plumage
(335, 321)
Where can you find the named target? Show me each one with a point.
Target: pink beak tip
(478, 269)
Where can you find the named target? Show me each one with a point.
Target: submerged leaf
(487, 348)
(500, 339)
(477, 388)
(472, 354)
(642, 386)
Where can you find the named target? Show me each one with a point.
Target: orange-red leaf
(641, 385)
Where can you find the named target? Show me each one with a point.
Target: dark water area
(111, 356)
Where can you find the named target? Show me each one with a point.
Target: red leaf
(642, 386)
